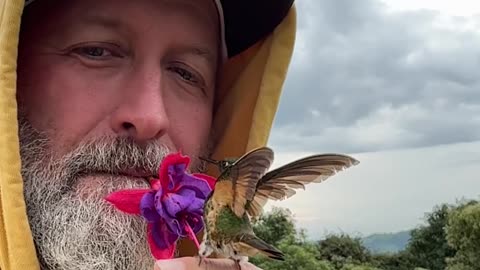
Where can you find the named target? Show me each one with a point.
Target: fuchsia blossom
(173, 207)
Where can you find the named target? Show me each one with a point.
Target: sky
(394, 83)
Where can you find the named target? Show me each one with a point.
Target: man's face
(106, 88)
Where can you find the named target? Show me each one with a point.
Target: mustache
(116, 156)
(112, 155)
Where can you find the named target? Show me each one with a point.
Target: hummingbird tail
(264, 248)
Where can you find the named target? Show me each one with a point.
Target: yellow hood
(248, 98)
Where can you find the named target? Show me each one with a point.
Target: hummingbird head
(221, 164)
(225, 164)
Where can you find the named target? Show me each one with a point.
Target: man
(100, 92)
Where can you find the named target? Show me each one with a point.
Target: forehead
(144, 13)
(201, 10)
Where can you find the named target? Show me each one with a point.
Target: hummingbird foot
(200, 259)
(238, 260)
(237, 264)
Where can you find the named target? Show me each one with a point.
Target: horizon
(328, 197)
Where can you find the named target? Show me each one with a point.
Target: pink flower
(173, 207)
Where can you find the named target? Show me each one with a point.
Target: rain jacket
(248, 97)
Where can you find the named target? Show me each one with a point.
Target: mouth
(136, 174)
(128, 173)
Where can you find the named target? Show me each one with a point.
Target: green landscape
(449, 239)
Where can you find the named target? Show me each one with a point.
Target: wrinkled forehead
(212, 9)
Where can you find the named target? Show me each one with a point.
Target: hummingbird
(243, 188)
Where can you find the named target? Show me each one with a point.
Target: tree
(278, 229)
(397, 261)
(297, 257)
(274, 226)
(359, 267)
(342, 250)
(428, 245)
(463, 234)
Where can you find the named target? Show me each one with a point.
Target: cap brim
(249, 21)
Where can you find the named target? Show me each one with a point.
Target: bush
(343, 250)
(463, 234)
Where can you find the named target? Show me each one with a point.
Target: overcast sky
(396, 84)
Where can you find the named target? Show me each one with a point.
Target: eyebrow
(105, 21)
(112, 23)
(197, 50)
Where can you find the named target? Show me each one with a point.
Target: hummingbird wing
(281, 183)
(245, 173)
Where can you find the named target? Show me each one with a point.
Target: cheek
(190, 126)
(61, 102)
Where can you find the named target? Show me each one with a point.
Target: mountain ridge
(387, 242)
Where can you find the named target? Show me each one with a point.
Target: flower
(173, 207)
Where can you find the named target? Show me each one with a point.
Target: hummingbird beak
(209, 160)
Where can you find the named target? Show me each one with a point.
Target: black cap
(248, 21)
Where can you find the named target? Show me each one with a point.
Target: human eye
(97, 52)
(185, 74)
(93, 52)
(188, 75)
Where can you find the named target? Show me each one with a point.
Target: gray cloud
(363, 79)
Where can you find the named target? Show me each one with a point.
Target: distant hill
(386, 242)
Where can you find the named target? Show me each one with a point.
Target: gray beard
(72, 226)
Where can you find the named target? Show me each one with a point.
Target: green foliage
(358, 267)
(342, 250)
(449, 240)
(463, 234)
(297, 256)
(428, 245)
(396, 261)
(275, 226)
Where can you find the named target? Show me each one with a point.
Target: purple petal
(175, 203)
(200, 186)
(196, 205)
(171, 182)
(173, 224)
(157, 202)
(170, 220)
(162, 236)
(186, 192)
(175, 173)
(147, 207)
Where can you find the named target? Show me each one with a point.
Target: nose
(141, 114)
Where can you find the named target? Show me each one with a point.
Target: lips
(127, 173)
(137, 173)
